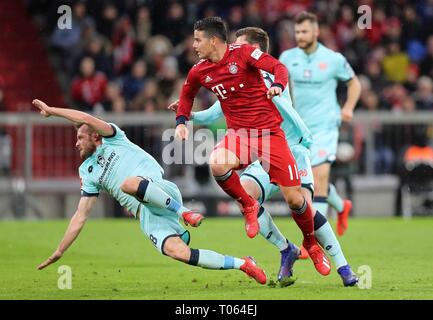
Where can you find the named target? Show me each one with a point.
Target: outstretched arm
(76, 224)
(75, 116)
(204, 117)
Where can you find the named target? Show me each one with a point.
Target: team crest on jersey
(233, 68)
(303, 173)
(101, 161)
(323, 66)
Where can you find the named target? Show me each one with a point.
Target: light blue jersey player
(133, 177)
(315, 72)
(256, 180)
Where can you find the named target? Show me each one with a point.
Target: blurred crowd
(133, 55)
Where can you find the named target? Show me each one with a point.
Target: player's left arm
(353, 94)
(266, 62)
(346, 73)
(78, 117)
(76, 224)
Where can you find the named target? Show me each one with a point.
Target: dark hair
(255, 35)
(213, 27)
(305, 15)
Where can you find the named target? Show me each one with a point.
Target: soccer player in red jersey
(232, 72)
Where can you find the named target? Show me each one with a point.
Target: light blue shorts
(324, 146)
(159, 224)
(256, 173)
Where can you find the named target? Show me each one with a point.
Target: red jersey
(237, 82)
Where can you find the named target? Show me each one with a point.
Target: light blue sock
(320, 204)
(269, 230)
(150, 192)
(209, 259)
(334, 198)
(327, 239)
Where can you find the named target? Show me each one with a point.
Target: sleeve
(187, 95)
(262, 60)
(209, 115)
(88, 188)
(118, 134)
(344, 71)
(287, 111)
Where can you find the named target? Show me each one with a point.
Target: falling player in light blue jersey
(256, 180)
(314, 73)
(134, 178)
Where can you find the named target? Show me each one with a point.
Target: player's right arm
(75, 226)
(75, 116)
(186, 99)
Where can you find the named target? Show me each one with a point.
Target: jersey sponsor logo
(256, 54)
(219, 91)
(233, 68)
(208, 79)
(107, 166)
(101, 161)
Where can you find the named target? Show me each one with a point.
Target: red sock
(231, 184)
(304, 219)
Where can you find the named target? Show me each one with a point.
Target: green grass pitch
(112, 259)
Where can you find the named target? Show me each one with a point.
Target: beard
(306, 45)
(86, 153)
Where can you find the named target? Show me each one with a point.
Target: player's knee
(293, 197)
(251, 188)
(296, 202)
(175, 248)
(130, 185)
(220, 161)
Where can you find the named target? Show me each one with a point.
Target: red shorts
(270, 149)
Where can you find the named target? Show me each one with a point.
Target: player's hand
(45, 110)
(181, 132)
(346, 114)
(274, 91)
(54, 257)
(173, 106)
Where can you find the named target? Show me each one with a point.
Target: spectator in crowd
(123, 44)
(374, 73)
(143, 25)
(89, 87)
(396, 62)
(113, 99)
(148, 97)
(107, 22)
(134, 82)
(67, 39)
(423, 96)
(175, 27)
(96, 50)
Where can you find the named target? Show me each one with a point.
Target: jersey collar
(312, 54)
